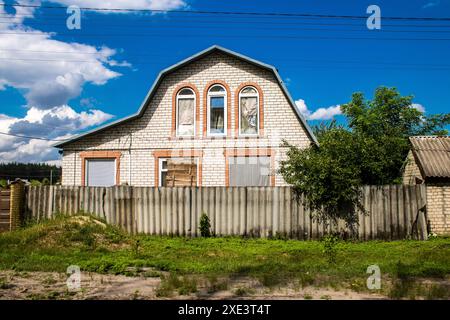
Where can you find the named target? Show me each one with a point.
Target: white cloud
(431, 4)
(58, 123)
(301, 105)
(418, 107)
(49, 71)
(33, 151)
(320, 114)
(126, 4)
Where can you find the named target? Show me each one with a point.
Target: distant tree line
(36, 173)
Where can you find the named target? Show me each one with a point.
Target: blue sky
(113, 60)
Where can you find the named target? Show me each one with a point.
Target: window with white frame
(185, 112)
(248, 111)
(162, 172)
(217, 113)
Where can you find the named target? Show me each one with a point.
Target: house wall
(438, 197)
(140, 138)
(411, 171)
(438, 207)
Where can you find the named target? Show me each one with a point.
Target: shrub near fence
(394, 212)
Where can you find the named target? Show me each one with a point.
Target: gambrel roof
(432, 154)
(181, 64)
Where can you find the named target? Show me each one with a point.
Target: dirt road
(45, 285)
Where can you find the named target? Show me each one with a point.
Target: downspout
(75, 168)
(129, 154)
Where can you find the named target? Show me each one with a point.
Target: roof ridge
(429, 137)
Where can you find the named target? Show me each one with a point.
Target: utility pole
(51, 177)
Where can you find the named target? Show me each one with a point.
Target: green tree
(370, 150)
(381, 128)
(3, 183)
(329, 175)
(35, 183)
(29, 171)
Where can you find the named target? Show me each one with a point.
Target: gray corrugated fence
(394, 212)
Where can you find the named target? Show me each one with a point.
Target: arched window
(185, 112)
(217, 113)
(248, 111)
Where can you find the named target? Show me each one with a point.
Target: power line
(364, 29)
(29, 137)
(229, 36)
(216, 21)
(224, 19)
(239, 13)
(165, 56)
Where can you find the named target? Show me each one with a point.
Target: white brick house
(215, 119)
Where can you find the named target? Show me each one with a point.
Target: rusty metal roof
(432, 154)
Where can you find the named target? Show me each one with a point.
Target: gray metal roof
(433, 155)
(180, 64)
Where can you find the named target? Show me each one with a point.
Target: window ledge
(217, 138)
(183, 138)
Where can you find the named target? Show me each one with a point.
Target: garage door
(101, 172)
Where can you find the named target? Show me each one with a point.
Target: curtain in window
(217, 114)
(185, 117)
(249, 171)
(249, 115)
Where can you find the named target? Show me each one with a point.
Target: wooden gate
(5, 202)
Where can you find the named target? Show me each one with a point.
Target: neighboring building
(429, 162)
(215, 119)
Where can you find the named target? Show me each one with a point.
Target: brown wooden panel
(4, 205)
(181, 174)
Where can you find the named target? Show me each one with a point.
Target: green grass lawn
(96, 247)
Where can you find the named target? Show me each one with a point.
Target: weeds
(215, 285)
(330, 247)
(49, 280)
(438, 291)
(4, 284)
(183, 285)
(205, 226)
(404, 285)
(243, 291)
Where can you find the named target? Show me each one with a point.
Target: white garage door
(101, 172)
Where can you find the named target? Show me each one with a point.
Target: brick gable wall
(140, 138)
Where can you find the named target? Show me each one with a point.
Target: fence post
(16, 204)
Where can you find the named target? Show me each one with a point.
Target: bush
(205, 226)
(3, 184)
(330, 247)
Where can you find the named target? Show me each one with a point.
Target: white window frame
(161, 170)
(257, 111)
(194, 111)
(86, 165)
(223, 94)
